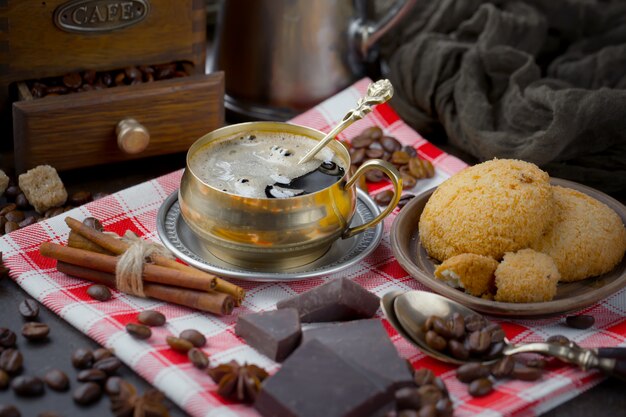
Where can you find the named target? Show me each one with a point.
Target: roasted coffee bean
(198, 358)
(82, 358)
(480, 387)
(57, 380)
(361, 141)
(421, 168)
(374, 175)
(408, 181)
(434, 341)
(438, 382)
(374, 132)
(7, 410)
(409, 150)
(101, 353)
(7, 208)
(526, 373)
(57, 89)
(4, 380)
(390, 144)
(558, 339)
(383, 198)
(139, 331)
(423, 376)
(400, 158)
(444, 408)
(112, 385)
(357, 156)
(11, 227)
(29, 309)
(456, 324)
(35, 331)
(577, 322)
(428, 324)
(151, 318)
(55, 211)
(99, 292)
(375, 153)
(93, 223)
(87, 393)
(92, 375)
(468, 372)
(7, 338)
(495, 350)
(404, 199)
(458, 350)
(90, 76)
(496, 331)
(408, 399)
(79, 198)
(133, 73)
(107, 79)
(429, 394)
(27, 222)
(536, 363)
(474, 323)
(178, 344)
(27, 386)
(108, 365)
(479, 341)
(73, 80)
(195, 337)
(441, 327)
(163, 71)
(11, 361)
(120, 78)
(22, 202)
(503, 368)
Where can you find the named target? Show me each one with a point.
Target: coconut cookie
(491, 208)
(470, 272)
(587, 238)
(526, 276)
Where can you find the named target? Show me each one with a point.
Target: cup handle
(390, 171)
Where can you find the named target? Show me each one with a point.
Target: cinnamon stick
(107, 263)
(118, 247)
(209, 301)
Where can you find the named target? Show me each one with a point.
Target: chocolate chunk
(364, 343)
(314, 382)
(337, 300)
(273, 333)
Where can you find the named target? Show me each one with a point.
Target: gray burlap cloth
(542, 81)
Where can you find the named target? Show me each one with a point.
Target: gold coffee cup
(274, 234)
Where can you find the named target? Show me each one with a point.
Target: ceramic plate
(178, 237)
(570, 296)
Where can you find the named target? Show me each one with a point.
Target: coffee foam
(247, 163)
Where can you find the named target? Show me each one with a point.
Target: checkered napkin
(136, 209)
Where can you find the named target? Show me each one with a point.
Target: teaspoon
(408, 311)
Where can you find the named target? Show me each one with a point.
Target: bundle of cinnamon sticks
(93, 255)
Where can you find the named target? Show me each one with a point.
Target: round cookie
(526, 276)
(587, 238)
(470, 272)
(491, 208)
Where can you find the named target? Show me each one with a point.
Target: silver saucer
(178, 237)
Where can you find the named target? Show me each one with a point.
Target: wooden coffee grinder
(88, 82)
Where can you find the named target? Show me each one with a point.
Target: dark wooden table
(607, 399)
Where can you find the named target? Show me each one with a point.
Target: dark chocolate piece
(314, 382)
(273, 333)
(366, 344)
(337, 300)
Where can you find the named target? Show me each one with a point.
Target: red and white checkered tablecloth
(136, 209)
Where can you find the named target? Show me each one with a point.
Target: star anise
(4, 271)
(127, 403)
(237, 382)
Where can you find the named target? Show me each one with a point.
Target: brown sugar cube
(4, 182)
(43, 188)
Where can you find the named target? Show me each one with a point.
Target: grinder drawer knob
(132, 136)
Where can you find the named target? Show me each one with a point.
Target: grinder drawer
(84, 129)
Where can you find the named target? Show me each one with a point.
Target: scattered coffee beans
(27, 386)
(108, 365)
(139, 331)
(503, 368)
(92, 375)
(4, 380)
(101, 353)
(112, 385)
(99, 292)
(580, 322)
(57, 380)
(480, 387)
(384, 197)
(526, 373)
(9, 411)
(404, 199)
(151, 318)
(471, 371)
(87, 393)
(194, 337)
(11, 361)
(79, 198)
(198, 358)
(35, 331)
(423, 376)
(7, 338)
(178, 344)
(408, 399)
(82, 358)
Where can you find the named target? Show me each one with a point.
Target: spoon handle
(377, 93)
